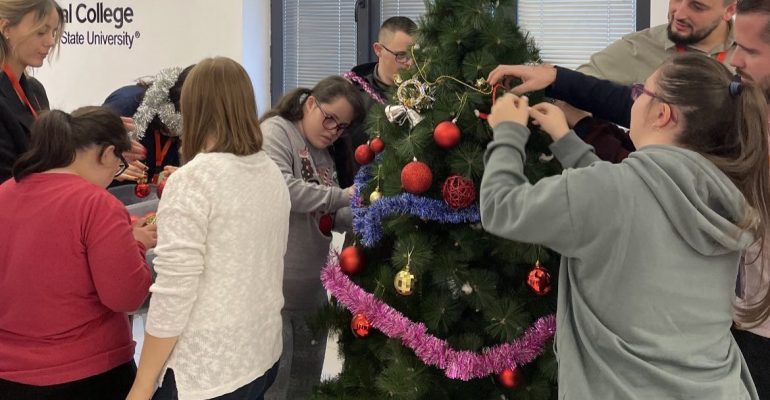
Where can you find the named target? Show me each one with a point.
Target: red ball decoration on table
(539, 280)
(364, 154)
(510, 378)
(377, 145)
(446, 134)
(351, 260)
(416, 177)
(360, 325)
(325, 224)
(459, 192)
(142, 189)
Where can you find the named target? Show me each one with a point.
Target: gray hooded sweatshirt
(650, 253)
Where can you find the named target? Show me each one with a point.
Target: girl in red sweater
(71, 265)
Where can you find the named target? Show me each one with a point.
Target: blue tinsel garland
(367, 221)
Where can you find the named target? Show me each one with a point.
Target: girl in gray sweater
(650, 247)
(299, 136)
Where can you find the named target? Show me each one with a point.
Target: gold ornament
(481, 83)
(413, 94)
(376, 195)
(404, 282)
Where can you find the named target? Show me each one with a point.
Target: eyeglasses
(331, 123)
(122, 166)
(402, 57)
(637, 90)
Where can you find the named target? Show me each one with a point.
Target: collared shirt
(637, 55)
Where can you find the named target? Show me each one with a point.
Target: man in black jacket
(375, 79)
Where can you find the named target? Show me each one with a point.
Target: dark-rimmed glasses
(122, 166)
(402, 57)
(331, 123)
(638, 89)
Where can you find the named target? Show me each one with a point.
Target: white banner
(109, 44)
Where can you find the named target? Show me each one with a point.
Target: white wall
(164, 33)
(658, 11)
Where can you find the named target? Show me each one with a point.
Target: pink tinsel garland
(351, 76)
(463, 365)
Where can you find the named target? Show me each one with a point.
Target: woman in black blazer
(29, 30)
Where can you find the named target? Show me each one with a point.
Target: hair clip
(735, 88)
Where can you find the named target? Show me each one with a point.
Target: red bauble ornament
(539, 280)
(360, 325)
(351, 260)
(510, 378)
(377, 145)
(416, 177)
(142, 190)
(325, 224)
(160, 187)
(459, 191)
(364, 154)
(446, 134)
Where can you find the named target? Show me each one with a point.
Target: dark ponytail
(57, 136)
(289, 106)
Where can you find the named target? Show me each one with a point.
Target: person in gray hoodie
(650, 247)
(300, 133)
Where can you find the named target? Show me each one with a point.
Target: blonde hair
(219, 112)
(15, 10)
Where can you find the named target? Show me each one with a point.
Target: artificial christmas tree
(442, 309)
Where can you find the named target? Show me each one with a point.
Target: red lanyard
(721, 56)
(17, 87)
(160, 154)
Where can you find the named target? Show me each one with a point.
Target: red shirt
(70, 269)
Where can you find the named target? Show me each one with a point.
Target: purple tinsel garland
(367, 221)
(463, 365)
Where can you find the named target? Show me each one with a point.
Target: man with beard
(610, 101)
(693, 25)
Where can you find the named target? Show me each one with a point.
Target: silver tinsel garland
(156, 102)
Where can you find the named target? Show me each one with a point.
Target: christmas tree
(426, 304)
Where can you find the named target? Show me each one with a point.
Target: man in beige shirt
(693, 25)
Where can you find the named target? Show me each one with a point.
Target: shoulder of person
(657, 34)
(125, 100)
(363, 70)
(278, 128)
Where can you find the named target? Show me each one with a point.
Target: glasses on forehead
(638, 89)
(402, 57)
(331, 123)
(122, 165)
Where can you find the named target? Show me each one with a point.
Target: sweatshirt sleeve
(182, 230)
(116, 260)
(305, 196)
(559, 212)
(573, 152)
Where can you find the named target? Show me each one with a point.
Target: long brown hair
(57, 136)
(726, 122)
(15, 10)
(218, 102)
